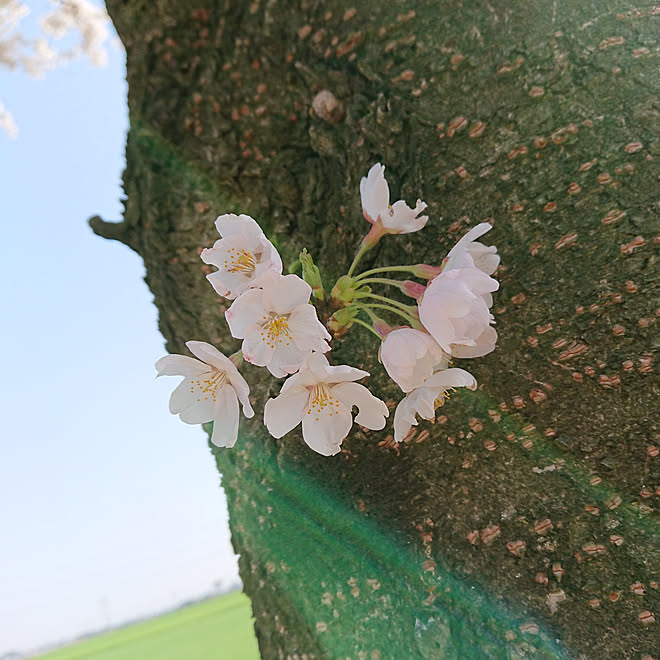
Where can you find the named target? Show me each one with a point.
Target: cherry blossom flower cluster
(278, 318)
(40, 54)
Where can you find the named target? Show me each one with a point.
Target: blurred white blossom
(81, 16)
(7, 122)
(85, 23)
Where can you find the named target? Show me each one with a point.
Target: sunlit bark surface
(524, 522)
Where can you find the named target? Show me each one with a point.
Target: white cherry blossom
(424, 400)
(322, 397)
(278, 326)
(210, 390)
(454, 308)
(411, 356)
(397, 218)
(244, 256)
(469, 253)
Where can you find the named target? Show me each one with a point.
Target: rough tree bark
(524, 522)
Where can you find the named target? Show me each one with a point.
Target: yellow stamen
(322, 401)
(442, 397)
(240, 261)
(276, 331)
(208, 386)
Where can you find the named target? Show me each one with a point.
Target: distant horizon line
(49, 647)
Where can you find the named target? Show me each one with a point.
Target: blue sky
(109, 506)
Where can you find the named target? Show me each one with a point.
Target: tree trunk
(524, 522)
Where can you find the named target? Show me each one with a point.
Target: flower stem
(390, 309)
(372, 317)
(359, 254)
(380, 280)
(368, 327)
(394, 303)
(376, 232)
(386, 269)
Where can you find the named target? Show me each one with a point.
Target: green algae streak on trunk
(524, 523)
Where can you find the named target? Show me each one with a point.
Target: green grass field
(217, 629)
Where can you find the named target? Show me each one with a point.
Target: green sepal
(342, 320)
(343, 293)
(312, 275)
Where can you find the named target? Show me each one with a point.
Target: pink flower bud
(425, 271)
(413, 289)
(382, 328)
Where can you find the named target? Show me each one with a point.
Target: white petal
(409, 357)
(287, 358)
(476, 280)
(462, 259)
(341, 374)
(257, 348)
(311, 372)
(423, 402)
(191, 403)
(448, 378)
(372, 411)
(285, 412)
(276, 371)
(228, 285)
(325, 430)
(374, 193)
(469, 327)
(242, 390)
(316, 363)
(187, 394)
(231, 224)
(220, 255)
(296, 380)
(210, 354)
(485, 257)
(180, 365)
(283, 294)
(246, 311)
(451, 311)
(225, 418)
(484, 344)
(230, 280)
(199, 412)
(469, 253)
(440, 327)
(472, 235)
(307, 331)
(269, 263)
(449, 294)
(401, 219)
(243, 258)
(269, 255)
(316, 369)
(404, 419)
